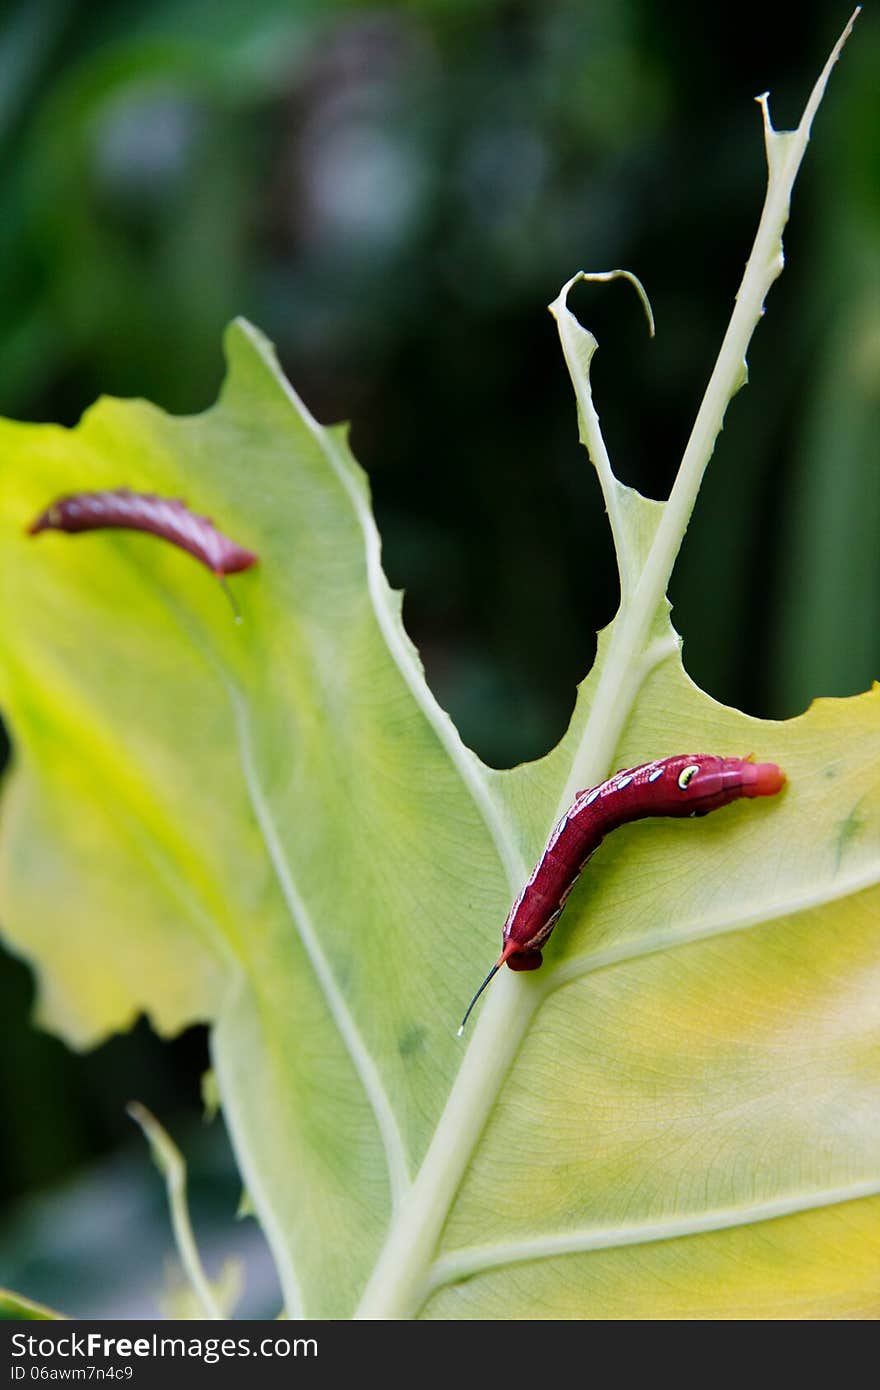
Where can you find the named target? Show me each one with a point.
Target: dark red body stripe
(166, 517)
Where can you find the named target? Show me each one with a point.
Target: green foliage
(13, 1307)
(275, 828)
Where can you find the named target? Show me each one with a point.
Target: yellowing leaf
(273, 827)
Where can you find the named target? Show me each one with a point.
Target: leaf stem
(170, 1162)
(621, 677)
(402, 1275)
(785, 151)
(398, 1284)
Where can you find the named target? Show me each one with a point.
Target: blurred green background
(394, 193)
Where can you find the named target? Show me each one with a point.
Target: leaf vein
(654, 942)
(462, 1264)
(361, 1058)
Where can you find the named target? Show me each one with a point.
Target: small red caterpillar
(167, 517)
(689, 784)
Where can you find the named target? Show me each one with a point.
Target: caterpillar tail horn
(509, 949)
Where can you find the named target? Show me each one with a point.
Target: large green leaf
(273, 827)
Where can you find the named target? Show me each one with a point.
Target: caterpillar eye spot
(686, 776)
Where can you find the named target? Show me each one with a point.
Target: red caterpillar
(167, 517)
(689, 784)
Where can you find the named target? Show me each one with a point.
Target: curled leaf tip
(602, 276)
